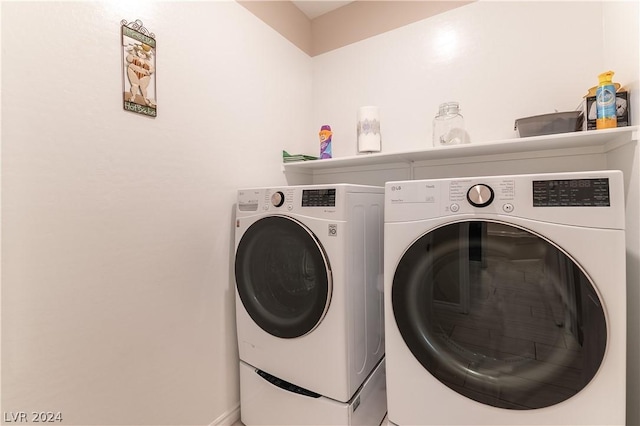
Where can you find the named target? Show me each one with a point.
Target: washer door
(283, 276)
(499, 314)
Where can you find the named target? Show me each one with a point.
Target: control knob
(480, 195)
(277, 199)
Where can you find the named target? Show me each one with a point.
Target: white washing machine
(309, 304)
(505, 300)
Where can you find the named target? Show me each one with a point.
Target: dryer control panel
(580, 198)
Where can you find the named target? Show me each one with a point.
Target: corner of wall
(286, 19)
(360, 20)
(621, 33)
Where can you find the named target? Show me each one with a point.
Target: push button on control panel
(508, 208)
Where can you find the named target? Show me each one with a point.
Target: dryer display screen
(319, 198)
(571, 193)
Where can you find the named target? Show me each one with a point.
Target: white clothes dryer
(309, 304)
(505, 300)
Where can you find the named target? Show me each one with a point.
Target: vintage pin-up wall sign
(139, 66)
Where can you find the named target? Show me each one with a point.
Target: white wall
(622, 54)
(500, 60)
(117, 292)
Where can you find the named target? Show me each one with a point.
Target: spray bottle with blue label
(606, 102)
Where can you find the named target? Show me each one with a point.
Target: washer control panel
(318, 199)
(278, 199)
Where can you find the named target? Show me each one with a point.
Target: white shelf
(601, 141)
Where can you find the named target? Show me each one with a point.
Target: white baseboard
(229, 417)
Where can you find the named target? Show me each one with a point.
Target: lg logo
(396, 188)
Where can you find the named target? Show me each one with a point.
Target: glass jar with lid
(448, 126)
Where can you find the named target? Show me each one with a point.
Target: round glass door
(283, 276)
(499, 314)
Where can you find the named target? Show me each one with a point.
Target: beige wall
(351, 23)
(363, 19)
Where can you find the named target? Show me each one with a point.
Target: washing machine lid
(499, 314)
(283, 276)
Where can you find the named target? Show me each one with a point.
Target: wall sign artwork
(139, 64)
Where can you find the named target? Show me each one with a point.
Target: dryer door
(283, 276)
(499, 314)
